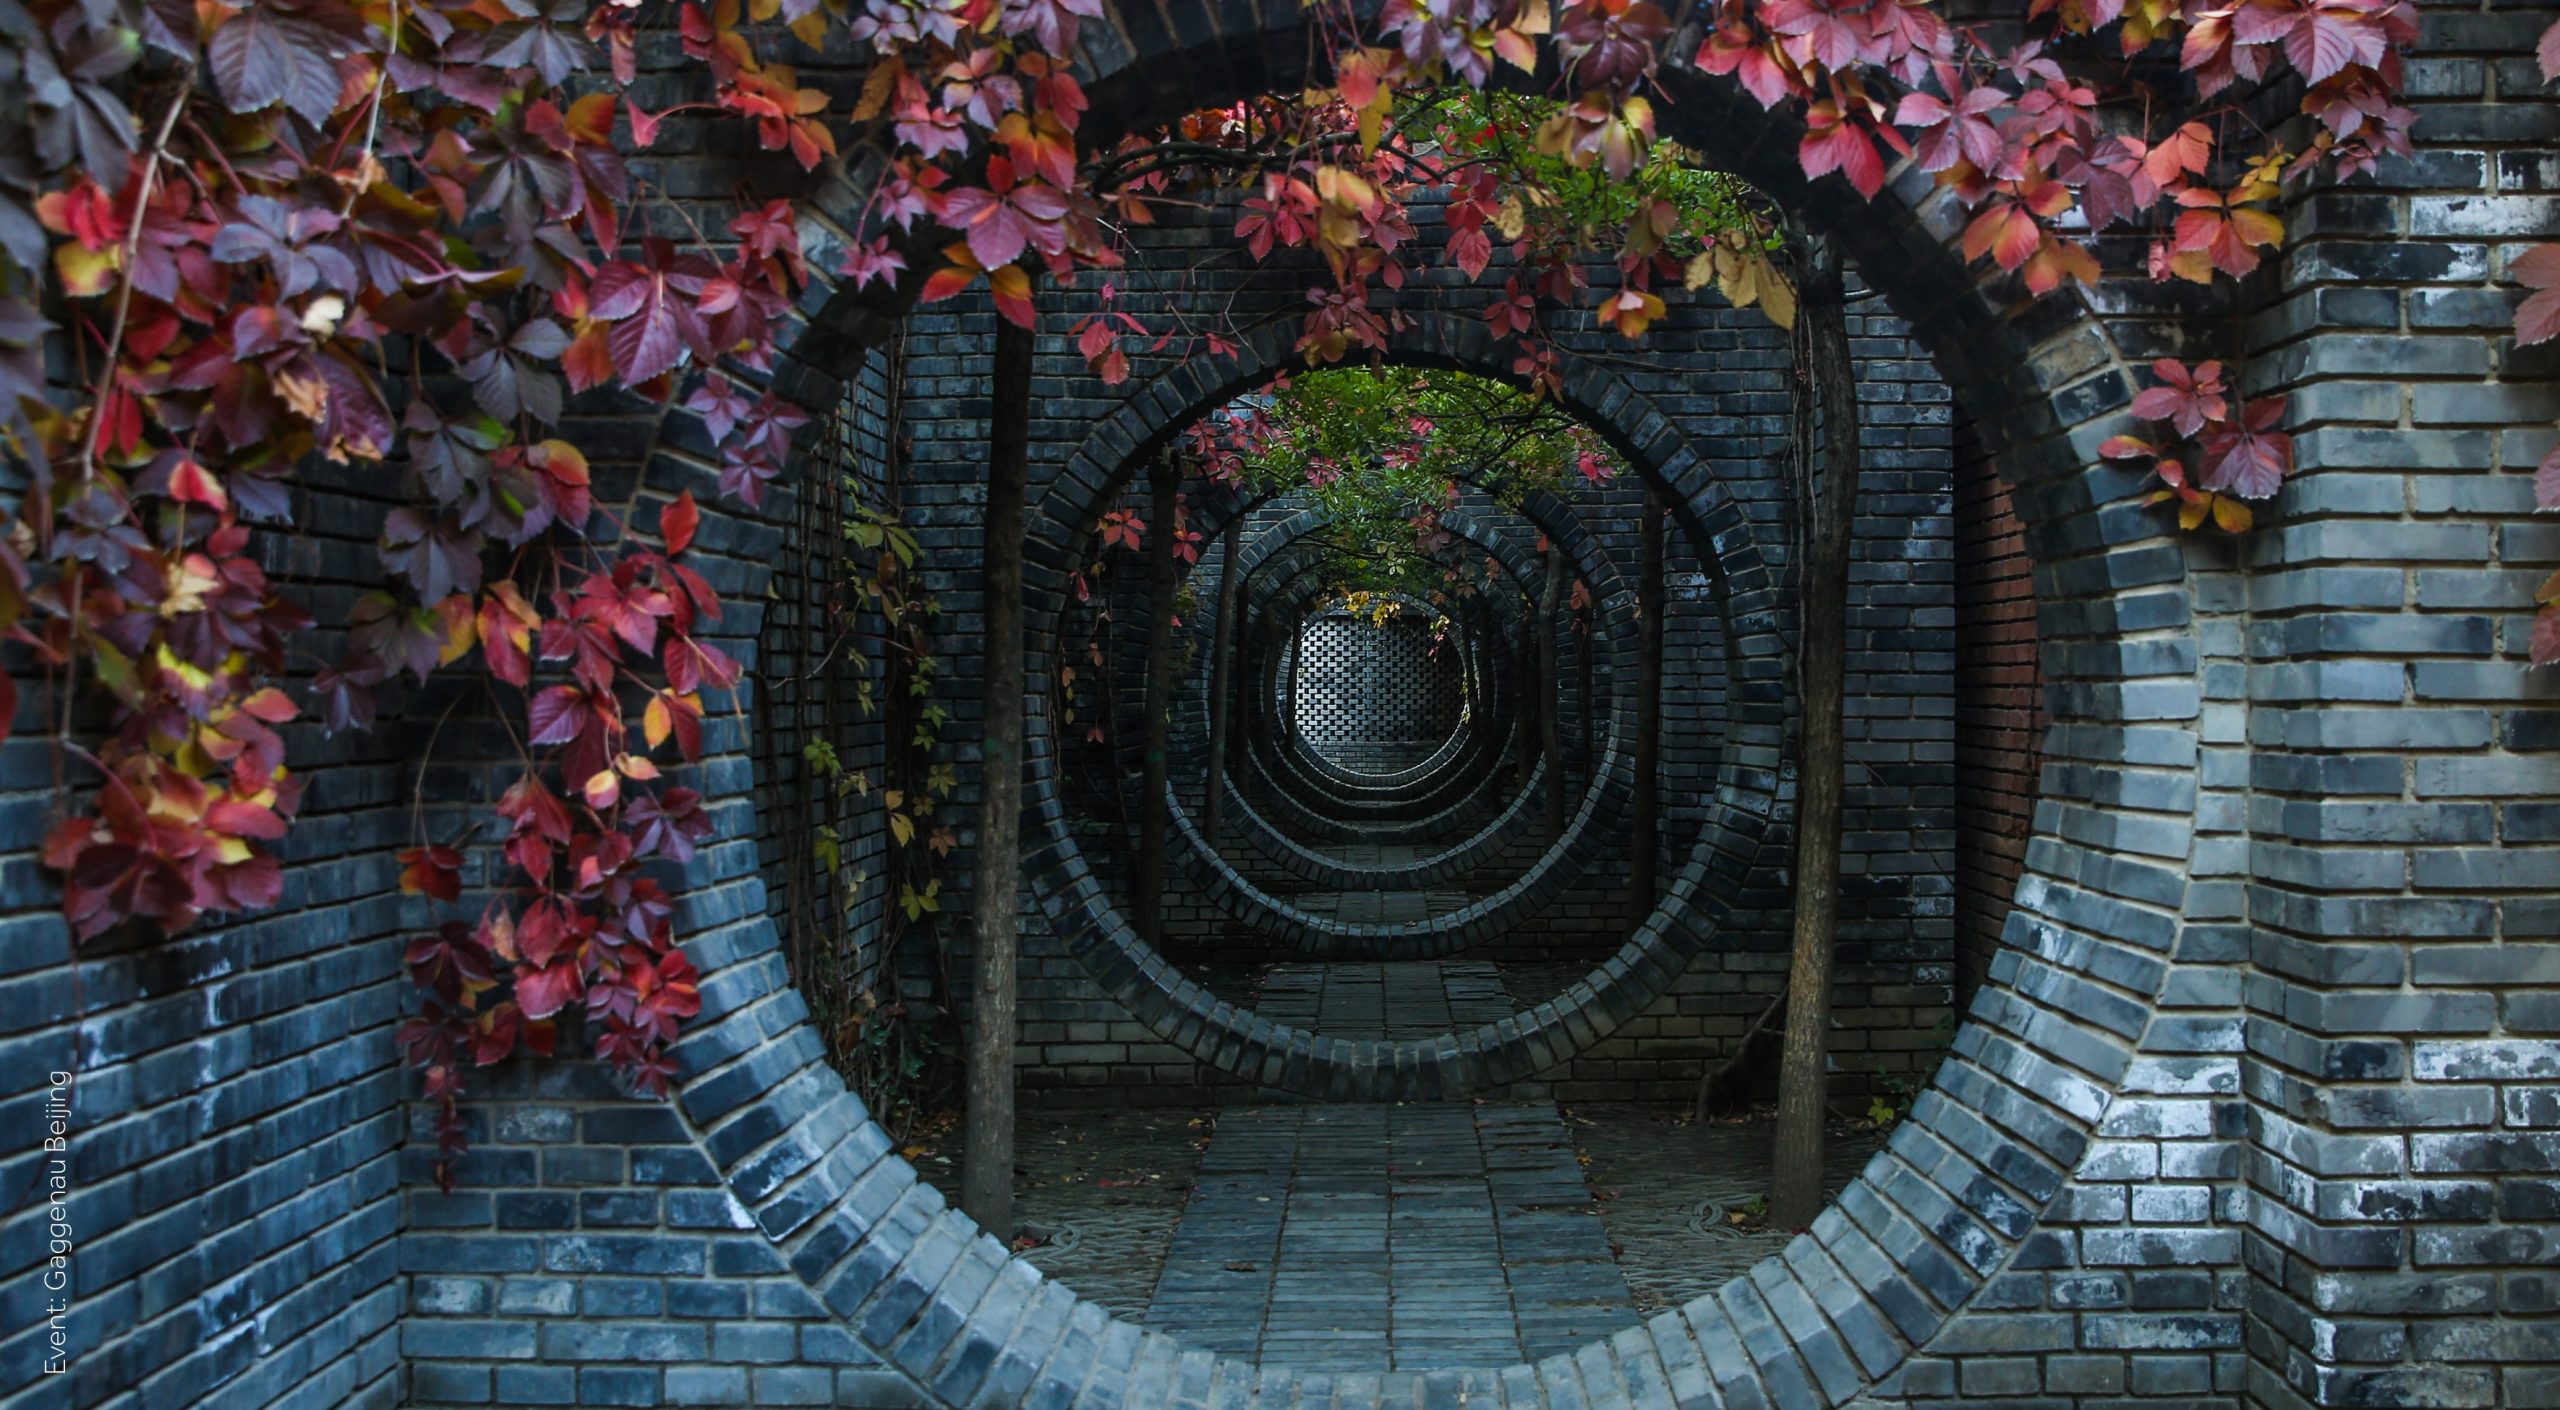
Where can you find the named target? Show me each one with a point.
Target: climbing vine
(1383, 451)
(874, 631)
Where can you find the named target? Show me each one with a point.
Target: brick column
(2402, 1100)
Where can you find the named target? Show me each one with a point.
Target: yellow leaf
(1344, 188)
(657, 722)
(1739, 281)
(902, 828)
(1777, 296)
(320, 317)
(2192, 513)
(85, 272)
(2257, 227)
(1699, 272)
(308, 397)
(1509, 217)
(2230, 515)
(461, 628)
(876, 86)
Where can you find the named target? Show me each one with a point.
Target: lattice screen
(1374, 696)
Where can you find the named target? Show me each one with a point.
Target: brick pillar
(2403, 1082)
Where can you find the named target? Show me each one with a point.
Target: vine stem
(132, 246)
(373, 114)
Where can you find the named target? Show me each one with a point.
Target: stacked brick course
(1999, 708)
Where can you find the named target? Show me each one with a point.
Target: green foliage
(1391, 438)
(1383, 450)
(1563, 204)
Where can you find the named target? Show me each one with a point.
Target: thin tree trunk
(1829, 385)
(1222, 689)
(1585, 660)
(1524, 676)
(1550, 744)
(1644, 830)
(986, 1181)
(1297, 680)
(1164, 575)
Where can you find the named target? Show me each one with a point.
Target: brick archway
(1187, 1015)
(1998, 1136)
(2030, 1076)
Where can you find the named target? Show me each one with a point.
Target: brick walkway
(1368, 1237)
(1390, 1238)
(1390, 1001)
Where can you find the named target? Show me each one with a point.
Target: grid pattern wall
(1370, 693)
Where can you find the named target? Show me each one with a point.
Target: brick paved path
(1391, 1001)
(1365, 1237)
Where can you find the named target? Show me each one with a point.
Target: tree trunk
(1222, 689)
(1164, 576)
(986, 1181)
(1585, 661)
(1550, 590)
(1524, 677)
(1644, 829)
(1828, 383)
(1297, 678)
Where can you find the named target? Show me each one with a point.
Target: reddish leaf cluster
(293, 186)
(2235, 457)
(582, 929)
(2019, 141)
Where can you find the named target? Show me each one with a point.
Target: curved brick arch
(1477, 742)
(1277, 538)
(1319, 800)
(1179, 1010)
(1270, 542)
(2007, 1119)
(1592, 826)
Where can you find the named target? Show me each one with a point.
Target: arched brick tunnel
(2250, 1096)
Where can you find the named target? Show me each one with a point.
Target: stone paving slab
(1391, 1000)
(1375, 1238)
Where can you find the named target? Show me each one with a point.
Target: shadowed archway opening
(2019, 1155)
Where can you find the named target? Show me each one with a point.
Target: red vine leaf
(2250, 459)
(558, 714)
(279, 51)
(676, 524)
(2185, 399)
(547, 990)
(433, 872)
(2538, 269)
